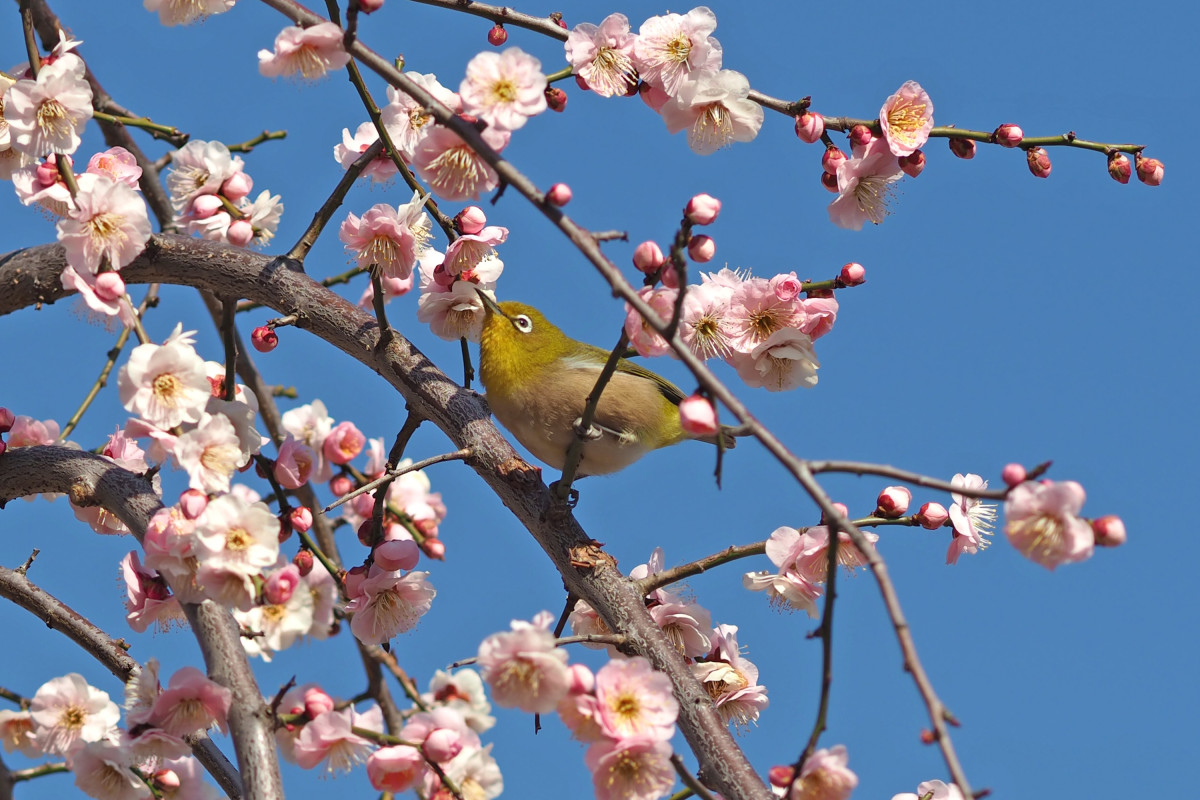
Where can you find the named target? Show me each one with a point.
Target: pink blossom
(27, 431)
(380, 169)
(317, 701)
(294, 465)
(67, 710)
(166, 384)
(832, 158)
(281, 585)
(524, 668)
(730, 679)
(397, 554)
(185, 12)
(309, 52)
(169, 544)
(463, 692)
(906, 118)
(634, 701)
(47, 113)
(470, 220)
(630, 769)
(108, 225)
(757, 311)
(648, 257)
(685, 624)
(1042, 522)
(116, 163)
(453, 313)
(1012, 474)
(235, 539)
(698, 416)
(642, 337)
(344, 442)
(701, 249)
(443, 744)
(473, 770)
(16, 733)
(191, 703)
(472, 256)
(452, 169)
(913, 164)
(558, 195)
(865, 187)
(105, 770)
(408, 121)
(603, 55)
(933, 790)
(707, 325)
(310, 424)
(825, 776)
(262, 216)
(392, 239)
(329, 736)
(715, 111)
(199, 168)
(853, 274)
(783, 362)
(504, 89)
(210, 453)
(395, 769)
(671, 48)
(972, 519)
(149, 600)
(389, 602)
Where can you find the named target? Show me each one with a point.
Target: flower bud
(669, 276)
(397, 554)
(932, 516)
(810, 126)
(702, 209)
(282, 584)
(1039, 162)
(1013, 474)
(206, 205)
(109, 286)
(237, 186)
(829, 182)
(435, 549)
(786, 286)
(913, 163)
(559, 195)
(702, 248)
(442, 744)
(582, 83)
(853, 274)
(840, 508)
(1008, 135)
(781, 776)
(192, 503)
(369, 6)
(497, 35)
(340, 485)
(1119, 167)
(963, 148)
(1109, 531)
(47, 171)
(366, 532)
(928, 736)
(264, 339)
(648, 257)
(698, 416)
(166, 780)
(833, 158)
(556, 99)
(893, 502)
(470, 221)
(583, 681)
(304, 562)
(7, 419)
(317, 702)
(1149, 170)
(354, 580)
(240, 233)
(301, 519)
(860, 137)
(3, 447)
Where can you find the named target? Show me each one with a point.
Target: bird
(538, 380)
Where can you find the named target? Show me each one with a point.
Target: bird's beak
(488, 302)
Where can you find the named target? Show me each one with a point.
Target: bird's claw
(590, 434)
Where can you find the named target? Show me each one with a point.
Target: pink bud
(366, 532)
(810, 126)
(933, 516)
(343, 443)
(1013, 474)
(369, 6)
(1039, 162)
(435, 549)
(470, 221)
(853, 274)
(786, 286)
(166, 780)
(1008, 135)
(192, 503)
(301, 519)
(206, 205)
(781, 776)
(698, 416)
(397, 554)
(559, 195)
(316, 702)
(237, 186)
(1109, 531)
(281, 585)
(442, 744)
(7, 419)
(702, 248)
(913, 164)
(47, 172)
(893, 502)
(442, 277)
(582, 83)
(669, 276)
(340, 485)
(963, 148)
(240, 233)
(582, 679)
(497, 35)
(1149, 170)
(3, 447)
(833, 158)
(648, 257)
(860, 137)
(264, 339)
(304, 562)
(829, 181)
(109, 286)
(653, 96)
(354, 580)
(556, 99)
(1119, 167)
(840, 508)
(702, 209)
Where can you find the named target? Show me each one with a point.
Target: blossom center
(52, 118)
(456, 170)
(626, 706)
(72, 718)
(503, 91)
(312, 63)
(679, 48)
(273, 615)
(873, 193)
(167, 389)
(221, 458)
(1046, 537)
(106, 227)
(714, 127)
(382, 251)
(238, 539)
(907, 118)
(417, 118)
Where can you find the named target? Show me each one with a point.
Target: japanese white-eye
(538, 379)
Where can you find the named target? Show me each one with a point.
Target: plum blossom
(234, 541)
(395, 769)
(730, 680)
(389, 602)
(603, 55)
(934, 790)
(407, 121)
(756, 311)
(672, 47)
(706, 324)
(281, 623)
(972, 519)
(452, 169)
(310, 424)
(105, 770)
(16, 733)
(715, 110)
(824, 776)
(523, 666)
(185, 12)
(504, 89)
(199, 168)
(473, 770)
(310, 52)
(109, 225)
(907, 118)
(67, 710)
(45, 114)
(116, 163)
(451, 313)
(783, 362)
(391, 238)
(381, 168)
(262, 216)
(191, 703)
(865, 186)
(630, 769)
(329, 736)
(149, 599)
(1042, 522)
(463, 692)
(166, 384)
(635, 701)
(642, 337)
(210, 453)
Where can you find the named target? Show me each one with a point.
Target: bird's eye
(523, 323)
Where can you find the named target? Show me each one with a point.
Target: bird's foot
(589, 434)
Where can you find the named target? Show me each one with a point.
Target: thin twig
(575, 449)
(690, 780)
(389, 476)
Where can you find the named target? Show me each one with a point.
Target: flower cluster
(449, 302)
(678, 62)
(824, 776)
(802, 557)
(210, 193)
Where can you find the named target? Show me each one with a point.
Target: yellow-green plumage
(537, 380)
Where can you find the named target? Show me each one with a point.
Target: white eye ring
(522, 323)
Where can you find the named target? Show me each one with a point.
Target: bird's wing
(664, 386)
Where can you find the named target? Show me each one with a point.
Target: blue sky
(1005, 318)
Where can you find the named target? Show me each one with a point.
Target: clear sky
(1005, 318)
